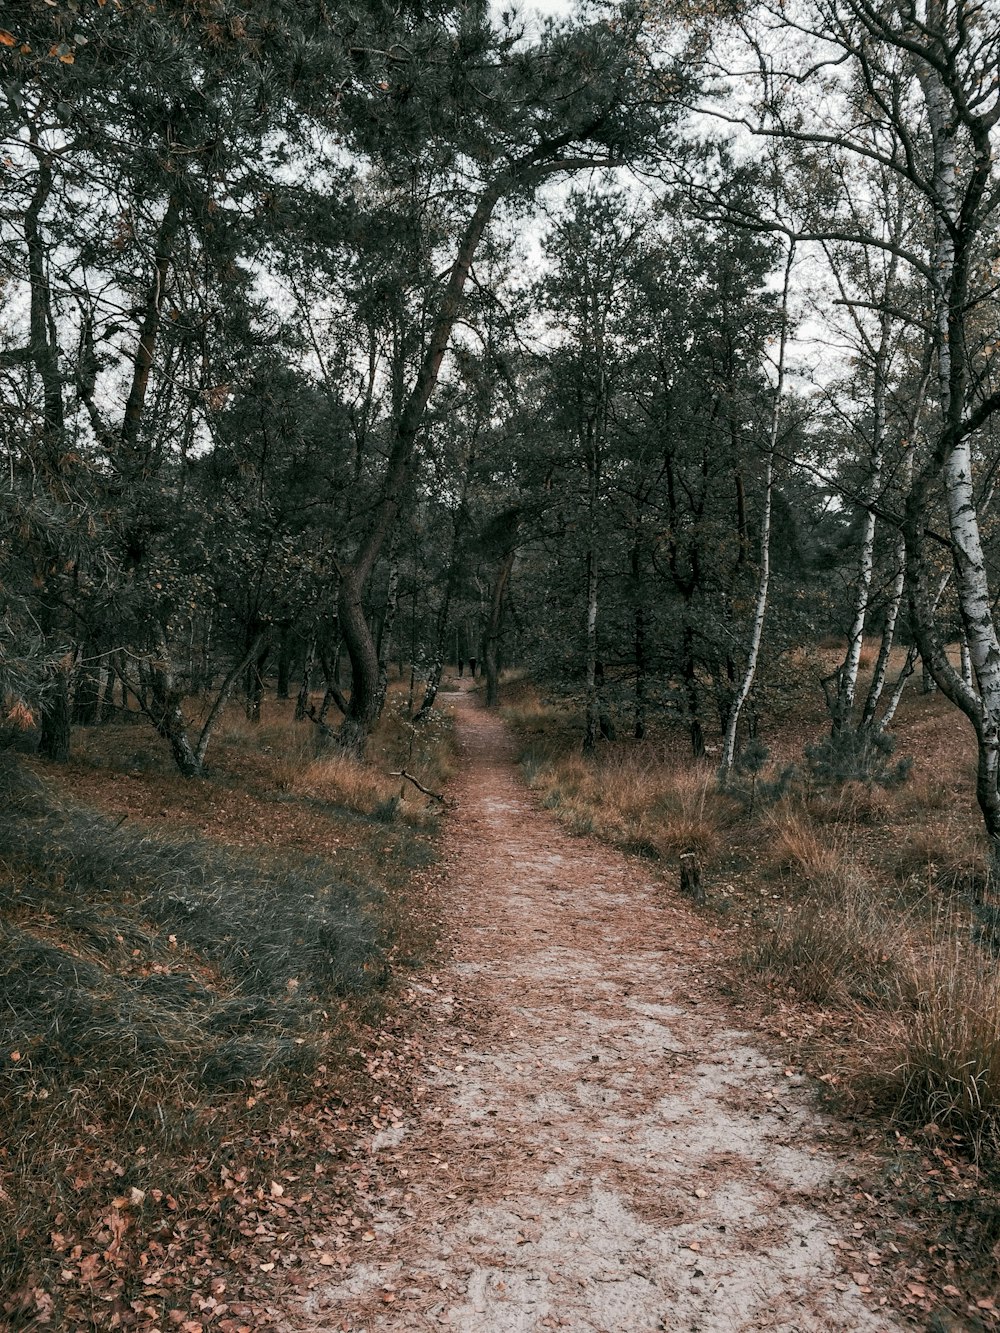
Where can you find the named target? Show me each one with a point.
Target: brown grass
(182, 981)
(837, 947)
(945, 1060)
(793, 845)
(629, 796)
(868, 892)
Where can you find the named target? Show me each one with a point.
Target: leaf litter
(609, 1153)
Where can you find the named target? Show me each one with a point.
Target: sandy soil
(596, 1147)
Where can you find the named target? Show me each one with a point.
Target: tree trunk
(965, 659)
(166, 713)
(728, 756)
(956, 222)
(593, 722)
(54, 743)
(285, 646)
(494, 629)
(333, 693)
(640, 647)
(86, 690)
(44, 355)
(881, 671)
(302, 701)
(363, 706)
(143, 363)
(545, 159)
(107, 704)
(365, 702)
(691, 885)
(165, 705)
(255, 682)
(444, 611)
(388, 626)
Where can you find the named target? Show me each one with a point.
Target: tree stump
(691, 878)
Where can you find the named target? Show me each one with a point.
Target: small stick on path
(402, 773)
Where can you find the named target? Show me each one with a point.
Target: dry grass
(795, 846)
(293, 757)
(945, 1059)
(630, 797)
(837, 947)
(869, 891)
(170, 985)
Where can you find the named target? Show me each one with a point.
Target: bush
(856, 755)
(947, 1067)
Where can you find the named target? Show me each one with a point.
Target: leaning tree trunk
(547, 158)
(365, 701)
(363, 706)
(166, 712)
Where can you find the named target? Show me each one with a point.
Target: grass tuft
(834, 947)
(165, 999)
(946, 1063)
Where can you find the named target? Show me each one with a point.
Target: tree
(911, 93)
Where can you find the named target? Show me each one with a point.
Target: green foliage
(107, 933)
(747, 783)
(856, 755)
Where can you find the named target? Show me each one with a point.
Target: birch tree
(728, 752)
(912, 90)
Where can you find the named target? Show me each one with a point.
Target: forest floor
(580, 1135)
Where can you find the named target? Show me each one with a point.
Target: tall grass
(632, 799)
(946, 1065)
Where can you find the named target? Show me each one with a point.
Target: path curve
(597, 1149)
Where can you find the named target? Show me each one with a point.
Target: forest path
(596, 1148)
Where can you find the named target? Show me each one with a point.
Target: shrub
(856, 755)
(947, 1066)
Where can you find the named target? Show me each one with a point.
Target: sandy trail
(597, 1148)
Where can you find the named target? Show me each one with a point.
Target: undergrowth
(165, 1000)
(858, 889)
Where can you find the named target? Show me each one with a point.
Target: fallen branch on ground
(402, 773)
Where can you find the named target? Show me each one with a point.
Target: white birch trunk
(848, 681)
(888, 636)
(908, 666)
(972, 584)
(764, 579)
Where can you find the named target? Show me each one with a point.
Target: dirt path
(596, 1149)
